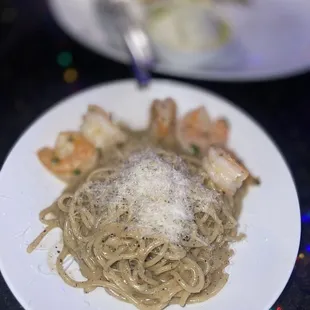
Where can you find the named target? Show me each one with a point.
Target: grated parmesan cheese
(161, 195)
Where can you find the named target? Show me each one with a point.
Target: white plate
(270, 218)
(272, 38)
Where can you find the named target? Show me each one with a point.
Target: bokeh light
(301, 256)
(305, 218)
(64, 59)
(70, 75)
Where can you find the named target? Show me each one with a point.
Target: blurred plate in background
(271, 38)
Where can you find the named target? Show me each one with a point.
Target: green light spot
(64, 59)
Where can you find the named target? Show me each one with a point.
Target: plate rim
(121, 57)
(195, 88)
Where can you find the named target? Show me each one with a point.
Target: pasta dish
(148, 215)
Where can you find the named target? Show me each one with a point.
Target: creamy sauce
(185, 28)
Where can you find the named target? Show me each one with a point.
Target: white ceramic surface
(272, 38)
(262, 263)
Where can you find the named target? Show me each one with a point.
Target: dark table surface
(31, 80)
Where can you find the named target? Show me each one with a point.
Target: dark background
(31, 81)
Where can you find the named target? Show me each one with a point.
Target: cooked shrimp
(224, 170)
(192, 131)
(219, 131)
(99, 129)
(197, 119)
(196, 132)
(72, 156)
(163, 118)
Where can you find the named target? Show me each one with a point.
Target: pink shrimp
(224, 170)
(163, 118)
(72, 156)
(196, 132)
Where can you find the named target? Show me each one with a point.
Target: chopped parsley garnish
(77, 171)
(55, 160)
(195, 149)
(158, 12)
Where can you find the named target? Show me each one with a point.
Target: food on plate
(147, 2)
(197, 132)
(152, 214)
(99, 129)
(188, 33)
(163, 119)
(72, 155)
(224, 171)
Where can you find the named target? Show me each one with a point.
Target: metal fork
(129, 19)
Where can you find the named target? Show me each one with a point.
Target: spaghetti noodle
(177, 257)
